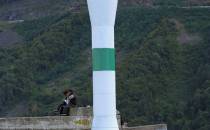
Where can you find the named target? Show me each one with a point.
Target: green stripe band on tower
(103, 59)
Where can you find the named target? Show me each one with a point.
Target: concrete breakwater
(60, 123)
(46, 123)
(80, 119)
(148, 127)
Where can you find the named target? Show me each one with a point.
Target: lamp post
(102, 15)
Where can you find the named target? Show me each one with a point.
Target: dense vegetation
(2, 2)
(167, 3)
(30, 9)
(163, 66)
(33, 9)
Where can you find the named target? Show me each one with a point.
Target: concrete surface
(80, 119)
(148, 127)
(46, 123)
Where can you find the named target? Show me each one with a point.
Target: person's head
(68, 92)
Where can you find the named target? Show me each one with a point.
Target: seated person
(69, 101)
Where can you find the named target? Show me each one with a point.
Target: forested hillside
(33, 9)
(166, 3)
(3, 2)
(163, 66)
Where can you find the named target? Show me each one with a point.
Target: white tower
(102, 15)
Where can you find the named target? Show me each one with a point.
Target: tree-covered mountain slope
(33, 9)
(163, 66)
(178, 3)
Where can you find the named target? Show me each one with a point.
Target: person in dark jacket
(69, 101)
